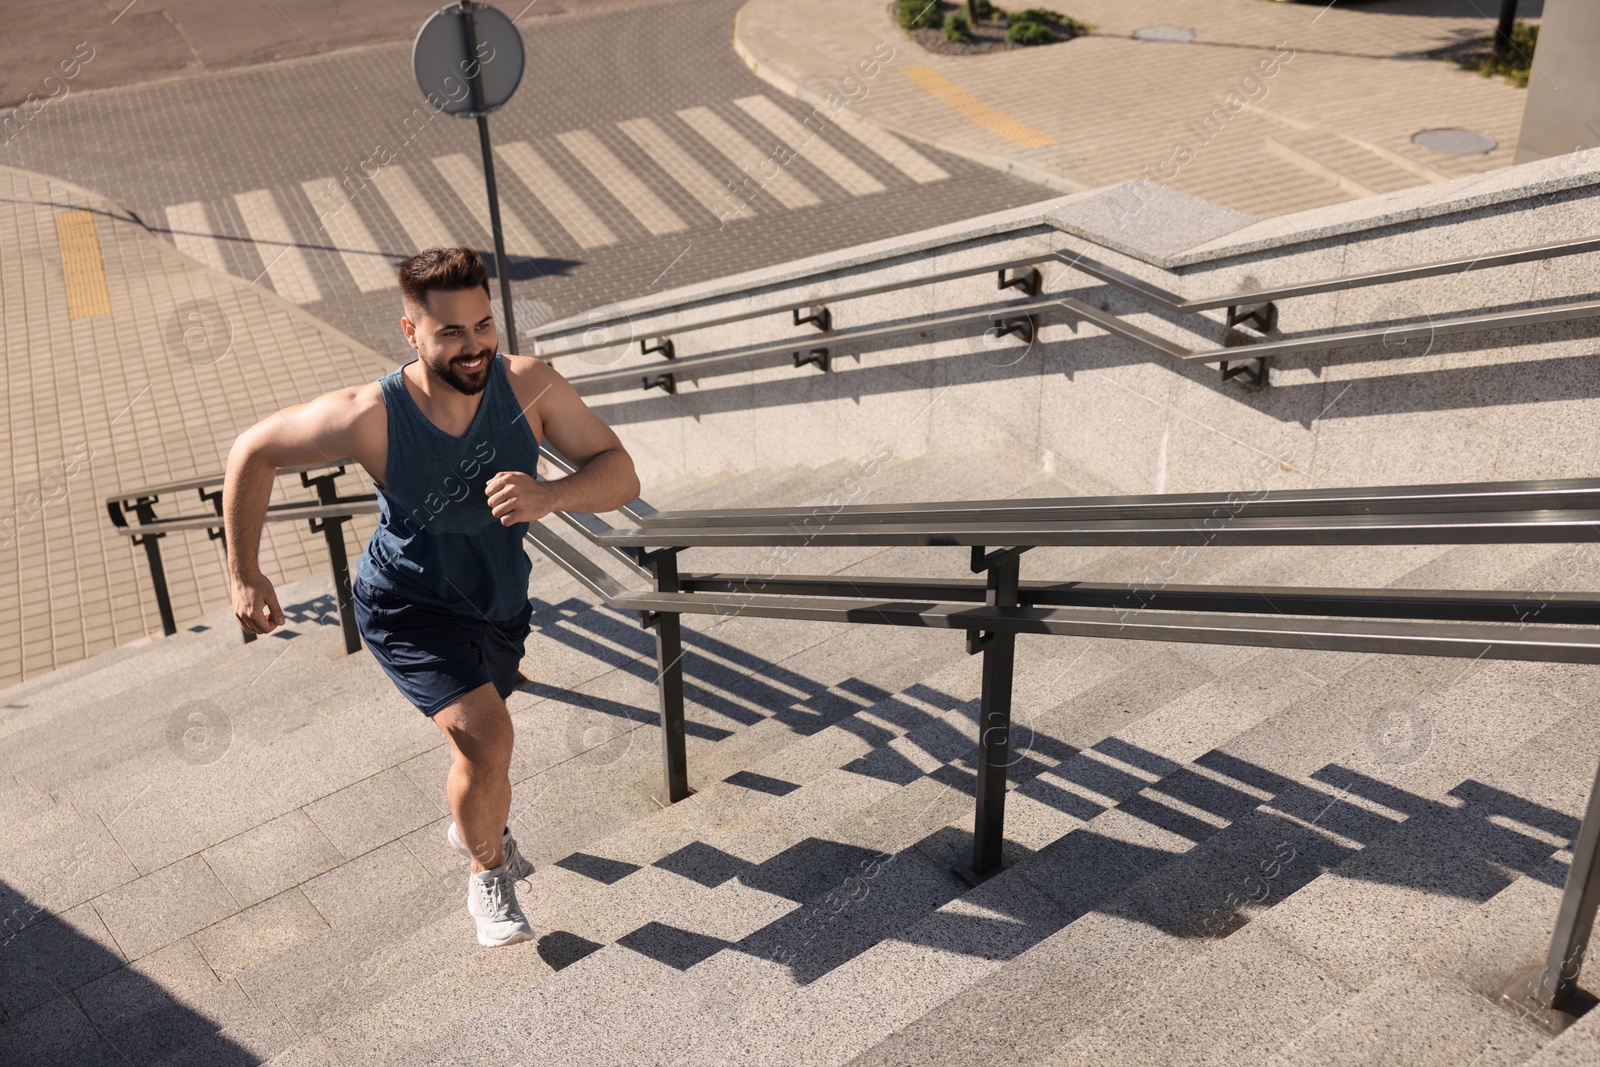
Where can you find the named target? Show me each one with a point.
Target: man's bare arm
(605, 479)
(323, 429)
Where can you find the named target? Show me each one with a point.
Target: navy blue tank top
(437, 542)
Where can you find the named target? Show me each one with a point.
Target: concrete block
(373, 880)
(163, 906)
(54, 956)
(269, 858)
(372, 812)
(57, 1032)
(1232, 1005)
(1411, 1016)
(260, 932)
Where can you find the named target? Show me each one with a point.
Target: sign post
(468, 60)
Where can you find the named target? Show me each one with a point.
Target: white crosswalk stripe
(421, 223)
(762, 168)
(556, 195)
(907, 160)
(193, 235)
(466, 180)
(586, 190)
(337, 214)
(285, 264)
(698, 182)
(809, 145)
(651, 211)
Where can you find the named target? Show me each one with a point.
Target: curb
(1015, 168)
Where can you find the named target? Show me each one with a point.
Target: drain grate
(1165, 34)
(1455, 142)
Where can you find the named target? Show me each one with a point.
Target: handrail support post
(816, 315)
(1003, 569)
(663, 565)
(1026, 277)
(332, 530)
(1569, 943)
(144, 507)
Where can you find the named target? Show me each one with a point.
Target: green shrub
(1516, 64)
(1043, 16)
(1039, 14)
(1029, 32)
(956, 27)
(917, 14)
(985, 10)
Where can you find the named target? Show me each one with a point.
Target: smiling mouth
(476, 363)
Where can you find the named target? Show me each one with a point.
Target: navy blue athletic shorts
(434, 655)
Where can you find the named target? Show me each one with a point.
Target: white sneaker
(492, 903)
(515, 863)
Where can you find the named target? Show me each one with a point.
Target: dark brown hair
(446, 269)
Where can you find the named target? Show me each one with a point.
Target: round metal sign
(463, 43)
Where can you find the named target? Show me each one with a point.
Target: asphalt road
(615, 99)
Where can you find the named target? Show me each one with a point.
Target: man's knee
(479, 728)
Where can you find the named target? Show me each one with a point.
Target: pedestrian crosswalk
(285, 264)
(561, 196)
(342, 222)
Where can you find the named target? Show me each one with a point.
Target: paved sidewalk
(105, 392)
(1329, 118)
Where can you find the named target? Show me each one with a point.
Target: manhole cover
(1164, 34)
(1455, 142)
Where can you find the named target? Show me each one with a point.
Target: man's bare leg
(479, 729)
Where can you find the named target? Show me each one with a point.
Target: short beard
(457, 379)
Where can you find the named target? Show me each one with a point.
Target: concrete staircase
(1215, 854)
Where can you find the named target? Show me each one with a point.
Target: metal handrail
(118, 503)
(1560, 493)
(1483, 624)
(1427, 528)
(1181, 305)
(1553, 644)
(768, 353)
(327, 515)
(992, 267)
(668, 374)
(1155, 294)
(365, 505)
(1482, 605)
(1258, 299)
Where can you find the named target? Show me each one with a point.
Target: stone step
(423, 839)
(424, 850)
(1455, 911)
(911, 952)
(1082, 1010)
(644, 843)
(629, 855)
(587, 909)
(1319, 943)
(778, 848)
(296, 835)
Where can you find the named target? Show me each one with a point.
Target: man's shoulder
(529, 376)
(359, 400)
(531, 368)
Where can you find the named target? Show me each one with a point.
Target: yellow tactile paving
(81, 265)
(130, 410)
(952, 95)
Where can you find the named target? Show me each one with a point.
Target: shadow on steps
(1188, 878)
(70, 999)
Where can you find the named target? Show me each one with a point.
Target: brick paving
(1331, 119)
(211, 138)
(98, 403)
